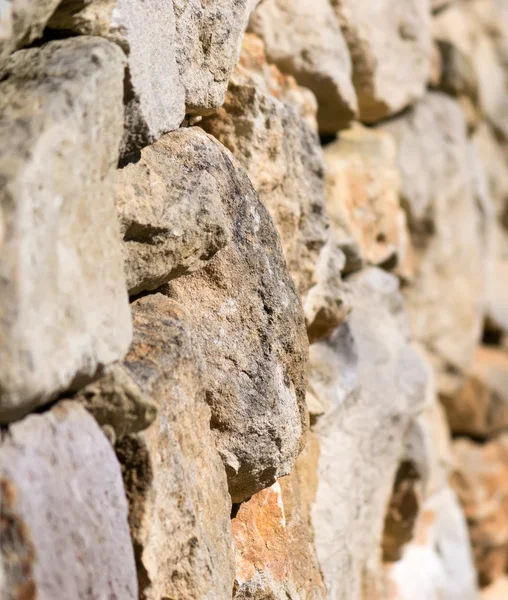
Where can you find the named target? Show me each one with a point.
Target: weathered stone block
(63, 526)
(64, 307)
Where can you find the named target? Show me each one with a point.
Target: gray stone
(154, 92)
(370, 385)
(247, 319)
(64, 531)
(170, 206)
(64, 304)
(439, 190)
(179, 506)
(390, 47)
(21, 22)
(304, 40)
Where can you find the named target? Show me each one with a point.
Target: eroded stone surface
(64, 531)
(64, 305)
(439, 190)
(305, 40)
(268, 122)
(371, 385)
(248, 321)
(170, 207)
(390, 44)
(179, 507)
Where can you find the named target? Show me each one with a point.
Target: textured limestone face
(390, 44)
(439, 191)
(370, 384)
(179, 506)
(64, 305)
(268, 123)
(304, 39)
(64, 530)
(248, 321)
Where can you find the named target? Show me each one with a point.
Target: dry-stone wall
(254, 300)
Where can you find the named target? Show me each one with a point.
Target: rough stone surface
(275, 557)
(444, 302)
(370, 384)
(170, 206)
(63, 303)
(362, 198)
(390, 45)
(117, 403)
(154, 92)
(179, 507)
(268, 123)
(480, 479)
(480, 409)
(63, 532)
(21, 22)
(304, 39)
(207, 44)
(248, 321)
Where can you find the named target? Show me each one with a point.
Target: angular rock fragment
(21, 22)
(154, 92)
(439, 190)
(390, 45)
(64, 305)
(247, 319)
(305, 40)
(371, 385)
(268, 123)
(170, 206)
(63, 531)
(480, 480)
(362, 198)
(275, 557)
(179, 507)
(480, 409)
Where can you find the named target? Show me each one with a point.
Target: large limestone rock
(21, 22)
(480, 409)
(390, 46)
(371, 385)
(172, 216)
(64, 531)
(275, 557)
(63, 304)
(146, 31)
(268, 123)
(439, 190)
(480, 479)
(179, 507)
(362, 198)
(304, 39)
(247, 319)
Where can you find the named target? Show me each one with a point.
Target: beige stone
(179, 506)
(305, 40)
(64, 531)
(275, 557)
(498, 590)
(22, 22)
(439, 190)
(390, 46)
(268, 123)
(371, 385)
(247, 319)
(362, 198)
(64, 304)
(170, 207)
(480, 479)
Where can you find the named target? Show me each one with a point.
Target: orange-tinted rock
(481, 482)
(481, 406)
(275, 557)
